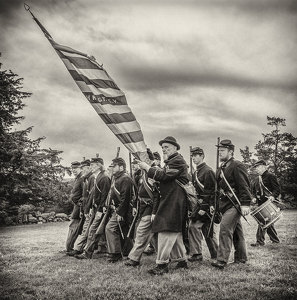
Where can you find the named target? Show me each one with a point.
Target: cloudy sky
(195, 70)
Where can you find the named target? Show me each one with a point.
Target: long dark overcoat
(171, 212)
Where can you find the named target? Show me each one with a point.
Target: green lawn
(33, 268)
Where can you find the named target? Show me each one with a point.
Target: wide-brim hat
(226, 144)
(260, 162)
(170, 140)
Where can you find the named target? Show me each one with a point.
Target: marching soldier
(172, 209)
(265, 187)
(200, 221)
(148, 197)
(76, 198)
(100, 191)
(136, 172)
(152, 246)
(121, 196)
(88, 182)
(234, 201)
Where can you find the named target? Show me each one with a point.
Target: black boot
(115, 257)
(160, 269)
(219, 264)
(181, 265)
(132, 263)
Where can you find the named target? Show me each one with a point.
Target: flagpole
(191, 164)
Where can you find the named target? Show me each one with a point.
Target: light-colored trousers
(170, 246)
(92, 238)
(82, 238)
(197, 230)
(143, 236)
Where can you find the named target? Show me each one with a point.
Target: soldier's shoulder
(238, 163)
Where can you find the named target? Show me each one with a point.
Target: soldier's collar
(227, 163)
(171, 156)
(200, 166)
(119, 174)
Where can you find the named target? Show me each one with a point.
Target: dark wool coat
(76, 196)
(171, 213)
(101, 189)
(147, 205)
(122, 195)
(272, 187)
(207, 178)
(237, 176)
(87, 188)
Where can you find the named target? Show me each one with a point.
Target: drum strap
(262, 185)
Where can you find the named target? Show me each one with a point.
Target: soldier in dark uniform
(172, 210)
(99, 194)
(148, 200)
(152, 246)
(136, 172)
(88, 182)
(231, 231)
(121, 197)
(265, 187)
(204, 182)
(76, 198)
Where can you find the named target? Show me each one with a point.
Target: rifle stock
(100, 230)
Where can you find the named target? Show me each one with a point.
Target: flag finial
(27, 7)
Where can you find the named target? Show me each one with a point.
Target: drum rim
(261, 207)
(273, 221)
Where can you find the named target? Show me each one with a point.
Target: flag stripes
(103, 94)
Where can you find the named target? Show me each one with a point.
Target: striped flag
(104, 95)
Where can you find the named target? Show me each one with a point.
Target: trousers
(271, 233)
(72, 233)
(197, 230)
(170, 246)
(93, 239)
(82, 238)
(231, 232)
(143, 236)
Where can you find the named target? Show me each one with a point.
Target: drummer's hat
(261, 162)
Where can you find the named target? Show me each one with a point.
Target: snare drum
(266, 214)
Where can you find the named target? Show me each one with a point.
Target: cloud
(195, 70)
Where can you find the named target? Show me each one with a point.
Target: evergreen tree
(28, 173)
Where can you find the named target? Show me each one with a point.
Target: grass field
(33, 268)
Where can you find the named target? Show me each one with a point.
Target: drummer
(265, 187)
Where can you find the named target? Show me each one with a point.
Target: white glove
(245, 210)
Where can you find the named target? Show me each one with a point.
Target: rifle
(216, 189)
(101, 228)
(235, 197)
